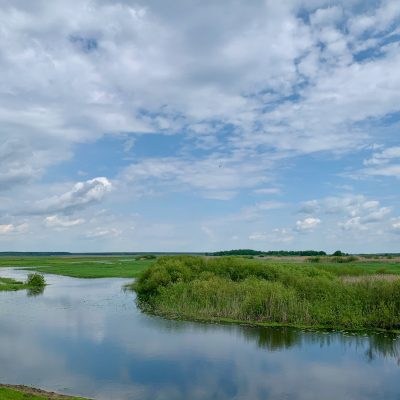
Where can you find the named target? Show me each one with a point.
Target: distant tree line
(279, 253)
(34, 253)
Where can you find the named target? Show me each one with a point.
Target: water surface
(87, 337)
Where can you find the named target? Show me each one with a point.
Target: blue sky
(199, 125)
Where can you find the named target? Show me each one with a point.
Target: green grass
(35, 283)
(82, 267)
(262, 292)
(7, 393)
(8, 284)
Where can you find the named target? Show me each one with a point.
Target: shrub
(35, 280)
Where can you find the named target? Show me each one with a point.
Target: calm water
(87, 337)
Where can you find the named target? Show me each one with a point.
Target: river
(87, 337)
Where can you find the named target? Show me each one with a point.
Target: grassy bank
(82, 267)
(34, 283)
(8, 392)
(253, 291)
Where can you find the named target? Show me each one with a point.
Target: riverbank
(20, 392)
(233, 289)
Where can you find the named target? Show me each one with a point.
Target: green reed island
(326, 292)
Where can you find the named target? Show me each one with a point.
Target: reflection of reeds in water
(35, 291)
(384, 346)
(373, 345)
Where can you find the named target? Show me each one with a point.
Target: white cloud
(6, 228)
(354, 223)
(396, 225)
(326, 16)
(60, 86)
(379, 20)
(350, 212)
(307, 224)
(388, 171)
(242, 106)
(57, 221)
(383, 156)
(82, 194)
(103, 232)
(267, 191)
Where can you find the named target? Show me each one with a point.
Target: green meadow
(25, 393)
(82, 266)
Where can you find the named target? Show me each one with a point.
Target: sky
(199, 125)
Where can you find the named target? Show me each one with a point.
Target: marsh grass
(35, 284)
(8, 284)
(250, 290)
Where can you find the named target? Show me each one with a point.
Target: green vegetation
(338, 253)
(35, 280)
(333, 259)
(84, 267)
(330, 295)
(35, 284)
(279, 253)
(25, 393)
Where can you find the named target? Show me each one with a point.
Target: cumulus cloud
(349, 212)
(307, 224)
(242, 105)
(60, 86)
(7, 229)
(82, 195)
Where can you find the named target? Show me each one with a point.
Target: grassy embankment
(83, 267)
(8, 392)
(34, 283)
(352, 295)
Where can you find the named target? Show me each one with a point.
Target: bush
(35, 280)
